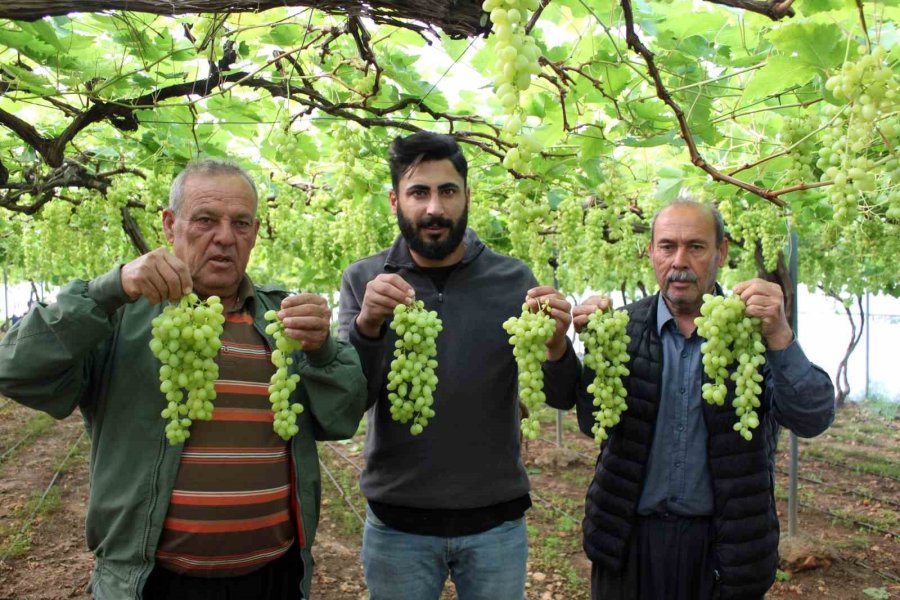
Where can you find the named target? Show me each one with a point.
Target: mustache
(432, 221)
(682, 276)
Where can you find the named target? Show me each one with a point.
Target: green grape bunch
(606, 353)
(185, 339)
(731, 336)
(518, 61)
(528, 334)
(282, 384)
(412, 379)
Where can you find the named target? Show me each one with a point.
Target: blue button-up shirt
(677, 479)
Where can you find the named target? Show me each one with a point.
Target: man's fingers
(306, 324)
(166, 281)
(303, 299)
(182, 274)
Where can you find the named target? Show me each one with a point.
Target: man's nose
(435, 206)
(224, 234)
(680, 260)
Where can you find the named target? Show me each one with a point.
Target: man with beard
(681, 507)
(451, 500)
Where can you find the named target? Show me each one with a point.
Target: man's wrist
(780, 340)
(557, 351)
(366, 328)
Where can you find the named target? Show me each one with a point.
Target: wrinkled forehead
(684, 223)
(218, 194)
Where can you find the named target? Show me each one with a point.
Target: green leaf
(680, 24)
(779, 73)
(811, 7)
(555, 196)
(284, 34)
(594, 145)
(816, 45)
(667, 189)
(44, 31)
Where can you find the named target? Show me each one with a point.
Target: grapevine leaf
(779, 73)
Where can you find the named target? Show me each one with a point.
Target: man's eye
(243, 225)
(205, 221)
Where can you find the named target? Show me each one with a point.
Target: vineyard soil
(848, 518)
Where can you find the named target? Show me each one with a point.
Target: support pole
(794, 449)
(6, 298)
(868, 325)
(559, 414)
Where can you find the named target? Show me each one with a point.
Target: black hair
(424, 146)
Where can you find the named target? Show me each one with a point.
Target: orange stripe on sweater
(242, 388)
(256, 415)
(239, 318)
(192, 500)
(194, 526)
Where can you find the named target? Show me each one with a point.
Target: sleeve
(584, 401)
(371, 350)
(46, 359)
(336, 388)
(561, 379)
(802, 395)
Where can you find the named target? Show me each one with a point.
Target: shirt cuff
(357, 336)
(791, 359)
(324, 354)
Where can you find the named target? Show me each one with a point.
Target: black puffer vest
(746, 525)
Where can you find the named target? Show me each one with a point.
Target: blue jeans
(406, 566)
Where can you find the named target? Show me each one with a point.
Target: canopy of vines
(579, 119)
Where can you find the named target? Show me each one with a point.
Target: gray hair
(709, 209)
(207, 166)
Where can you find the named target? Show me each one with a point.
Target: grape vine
(518, 56)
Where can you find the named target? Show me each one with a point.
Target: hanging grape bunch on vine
(518, 56)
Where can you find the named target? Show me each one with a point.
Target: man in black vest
(681, 507)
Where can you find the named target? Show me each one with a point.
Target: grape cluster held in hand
(528, 334)
(606, 345)
(732, 336)
(186, 341)
(412, 380)
(282, 384)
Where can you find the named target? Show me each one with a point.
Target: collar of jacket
(398, 256)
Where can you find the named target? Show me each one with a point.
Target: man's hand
(582, 312)
(306, 318)
(765, 300)
(158, 275)
(560, 311)
(382, 294)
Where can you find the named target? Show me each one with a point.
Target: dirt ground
(848, 547)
